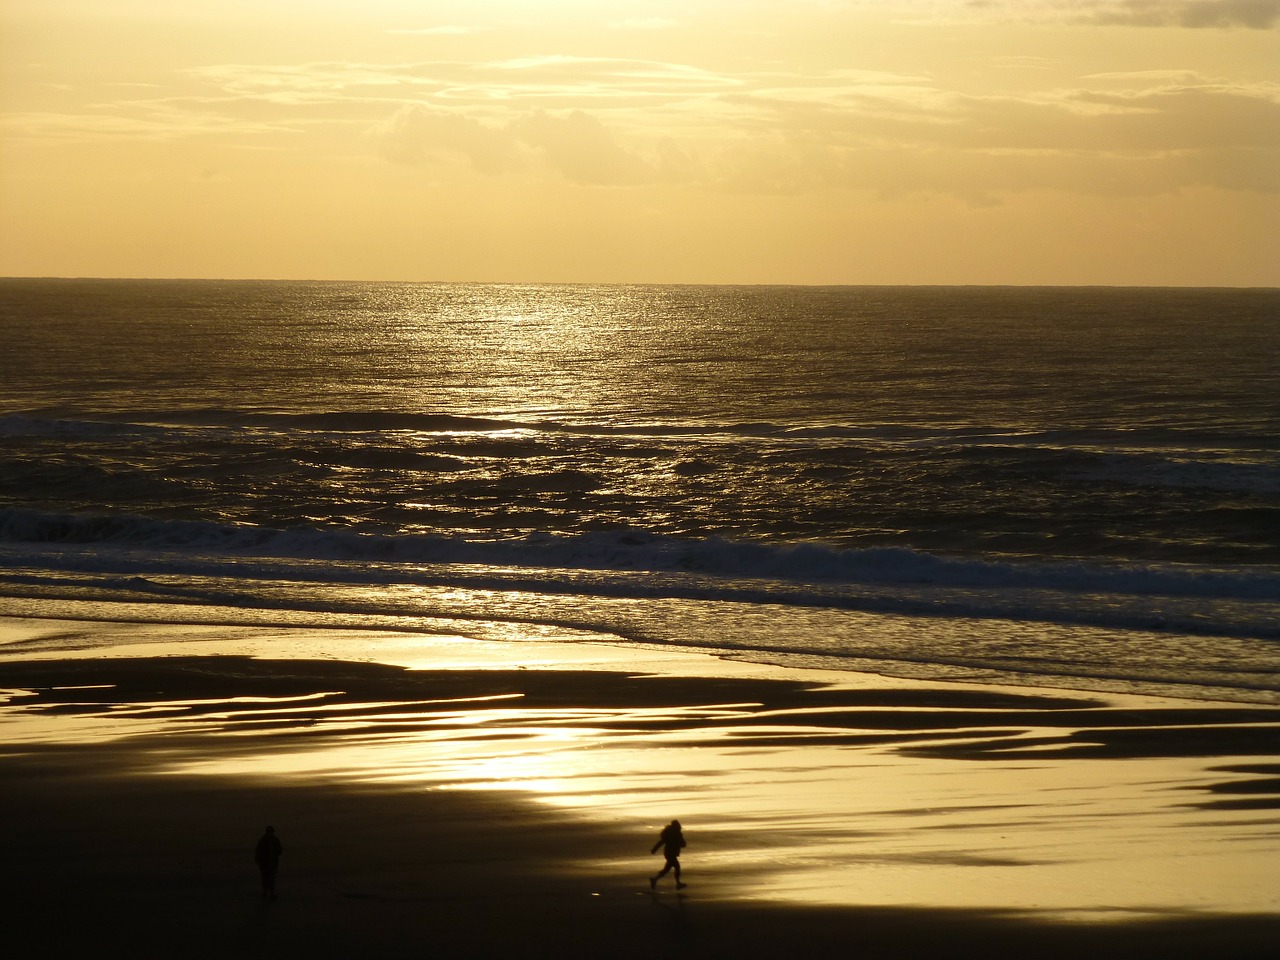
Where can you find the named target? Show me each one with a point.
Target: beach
(468, 798)
(443, 446)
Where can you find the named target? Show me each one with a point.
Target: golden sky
(719, 141)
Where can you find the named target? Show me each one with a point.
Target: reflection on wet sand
(848, 793)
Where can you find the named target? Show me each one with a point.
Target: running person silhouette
(672, 842)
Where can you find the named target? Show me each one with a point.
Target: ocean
(1060, 487)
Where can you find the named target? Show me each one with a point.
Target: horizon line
(639, 283)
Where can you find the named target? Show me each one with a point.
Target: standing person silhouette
(267, 856)
(671, 840)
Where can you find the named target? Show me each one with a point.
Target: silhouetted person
(671, 840)
(267, 856)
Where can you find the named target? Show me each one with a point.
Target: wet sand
(436, 798)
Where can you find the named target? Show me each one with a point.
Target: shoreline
(424, 805)
(195, 617)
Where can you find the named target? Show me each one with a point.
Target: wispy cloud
(553, 79)
(646, 23)
(417, 134)
(1194, 14)
(1190, 14)
(1139, 139)
(445, 30)
(156, 123)
(577, 145)
(624, 122)
(1125, 135)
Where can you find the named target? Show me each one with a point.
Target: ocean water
(1070, 487)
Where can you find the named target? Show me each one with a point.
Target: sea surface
(1070, 487)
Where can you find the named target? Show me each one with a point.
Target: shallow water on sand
(875, 792)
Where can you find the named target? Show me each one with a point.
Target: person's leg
(653, 881)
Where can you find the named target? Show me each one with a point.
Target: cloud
(647, 23)
(1195, 14)
(548, 81)
(602, 78)
(447, 30)
(1132, 142)
(601, 122)
(583, 149)
(1191, 14)
(625, 122)
(1165, 118)
(153, 124)
(317, 83)
(1158, 137)
(576, 145)
(416, 134)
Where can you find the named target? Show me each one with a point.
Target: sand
(438, 795)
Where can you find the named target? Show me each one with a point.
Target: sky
(1132, 142)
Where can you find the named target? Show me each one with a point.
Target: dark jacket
(671, 841)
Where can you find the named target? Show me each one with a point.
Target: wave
(40, 424)
(1165, 458)
(1162, 456)
(640, 551)
(487, 596)
(1186, 473)
(56, 421)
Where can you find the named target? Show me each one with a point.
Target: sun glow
(880, 142)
